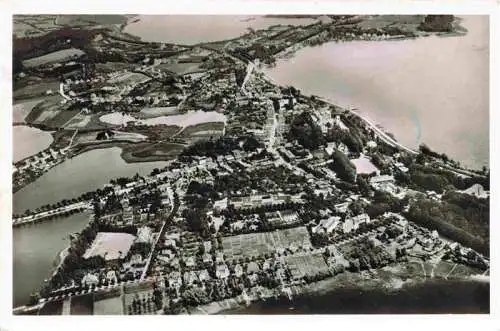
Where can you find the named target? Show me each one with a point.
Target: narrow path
(72, 137)
(449, 273)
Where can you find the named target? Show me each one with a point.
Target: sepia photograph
(279, 164)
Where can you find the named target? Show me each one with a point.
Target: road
(381, 134)
(250, 67)
(52, 212)
(173, 210)
(61, 92)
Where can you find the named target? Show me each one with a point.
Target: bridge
(50, 213)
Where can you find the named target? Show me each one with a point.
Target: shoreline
(323, 288)
(388, 280)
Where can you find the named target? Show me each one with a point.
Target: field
(255, 244)
(109, 306)
(34, 89)
(91, 20)
(52, 308)
(80, 121)
(90, 137)
(306, 264)
(158, 111)
(364, 165)
(151, 152)
(82, 305)
(113, 67)
(58, 56)
(22, 30)
(21, 110)
(43, 111)
(406, 22)
(61, 118)
(139, 291)
(32, 25)
(203, 130)
(131, 78)
(180, 68)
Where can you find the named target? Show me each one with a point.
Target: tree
(343, 167)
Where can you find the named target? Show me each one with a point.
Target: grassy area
(150, 152)
(306, 265)
(113, 67)
(180, 68)
(129, 78)
(21, 110)
(203, 129)
(255, 244)
(111, 306)
(57, 56)
(90, 20)
(34, 89)
(403, 22)
(61, 118)
(158, 111)
(82, 305)
(52, 308)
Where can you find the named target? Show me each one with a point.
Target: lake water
(28, 141)
(83, 173)
(35, 250)
(432, 90)
(36, 246)
(193, 29)
(429, 297)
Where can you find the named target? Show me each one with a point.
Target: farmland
(57, 56)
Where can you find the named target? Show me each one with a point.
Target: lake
(432, 90)
(36, 246)
(28, 141)
(85, 172)
(194, 29)
(35, 250)
(428, 297)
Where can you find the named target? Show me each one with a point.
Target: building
(328, 225)
(90, 279)
(252, 267)
(219, 257)
(174, 279)
(190, 262)
(203, 275)
(342, 207)
(476, 190)
(222, 271)
(238, 270)
(145, 235)
(353, 223)
(190, 277)
(221, 204)
(382, 179)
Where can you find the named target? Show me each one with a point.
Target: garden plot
(255, 244)
(305, 264)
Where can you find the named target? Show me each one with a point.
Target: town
(266, 191)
